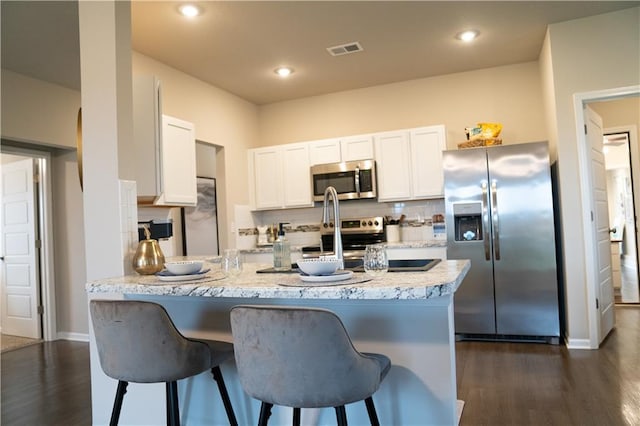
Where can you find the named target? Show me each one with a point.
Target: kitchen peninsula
(407, 316)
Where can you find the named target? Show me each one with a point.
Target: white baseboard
(577, 343)
(78, 337)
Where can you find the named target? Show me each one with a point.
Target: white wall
(510, 95)
(36, 111)
(69, 246)
(582, 53)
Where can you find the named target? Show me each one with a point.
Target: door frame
(634, 156)
(45, 222)
(580, 100)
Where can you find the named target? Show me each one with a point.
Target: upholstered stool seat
(137, 342)
(302, 358)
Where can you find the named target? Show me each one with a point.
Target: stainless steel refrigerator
(499, 214)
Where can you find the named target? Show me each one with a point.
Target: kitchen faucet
(331, 192)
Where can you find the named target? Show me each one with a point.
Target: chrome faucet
(331, 192)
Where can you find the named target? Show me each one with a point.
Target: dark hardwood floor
(536, 384)
(46, 384)
(501, 383)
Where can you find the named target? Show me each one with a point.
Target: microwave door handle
(358, 180)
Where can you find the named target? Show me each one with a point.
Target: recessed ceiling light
(189, 10)
(283, 71)
(467, 36)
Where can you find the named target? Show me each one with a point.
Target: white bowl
(184, 267)
(318, 265)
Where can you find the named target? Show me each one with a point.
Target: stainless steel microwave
(352, 180)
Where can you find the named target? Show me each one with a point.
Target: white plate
(337, 276)
(174, 278)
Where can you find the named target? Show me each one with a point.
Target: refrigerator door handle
(485, 220)
(495, 219)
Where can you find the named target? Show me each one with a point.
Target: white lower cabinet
(409, 163)
(279, 177)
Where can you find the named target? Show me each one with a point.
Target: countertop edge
(443, 279)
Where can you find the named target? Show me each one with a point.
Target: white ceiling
(235, 45)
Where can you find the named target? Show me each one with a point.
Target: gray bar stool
(302, 358)
(137, 342)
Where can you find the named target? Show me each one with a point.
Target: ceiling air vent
(344, 49)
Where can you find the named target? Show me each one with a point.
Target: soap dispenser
(281, 251)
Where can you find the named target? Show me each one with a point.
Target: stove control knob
(376, 223)
(331, 224)
(364, 223)
(370, 223)
(325, 225)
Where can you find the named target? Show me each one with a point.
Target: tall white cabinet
(165, 149)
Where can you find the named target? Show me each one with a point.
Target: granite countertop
(443, 279)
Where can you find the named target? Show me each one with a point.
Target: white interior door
(20, 295)
(600, 229)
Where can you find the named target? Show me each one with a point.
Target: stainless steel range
(356, 234)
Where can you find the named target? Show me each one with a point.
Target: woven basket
(475, 143)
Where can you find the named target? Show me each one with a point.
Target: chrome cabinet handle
(495, 219)
(485, 222)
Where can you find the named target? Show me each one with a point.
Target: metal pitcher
(149, 258)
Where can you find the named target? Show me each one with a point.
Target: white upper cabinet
(179, 185)
(165, 149)
(427, 144)
(324, 151)
(296, 183)
(393, 157)
(337, 150)
(409, 163)
(357, 148)
(266, 164)
(279, 177)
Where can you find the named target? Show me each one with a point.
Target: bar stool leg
(117, 404)
(371, 410)
(173, 411)
(341, 415)
(265, 413)
(296, 416)
(217, 376)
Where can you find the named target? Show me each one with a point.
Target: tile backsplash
(303, 226)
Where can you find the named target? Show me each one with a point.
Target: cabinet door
(147, 135)
(427, 145)
(392, 164)
(267, 178)
(324, 151)
(357, 148)
(296, 181)
(178, 163)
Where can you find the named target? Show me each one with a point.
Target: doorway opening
(622, 216)
(593, 289)
(41, 272)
